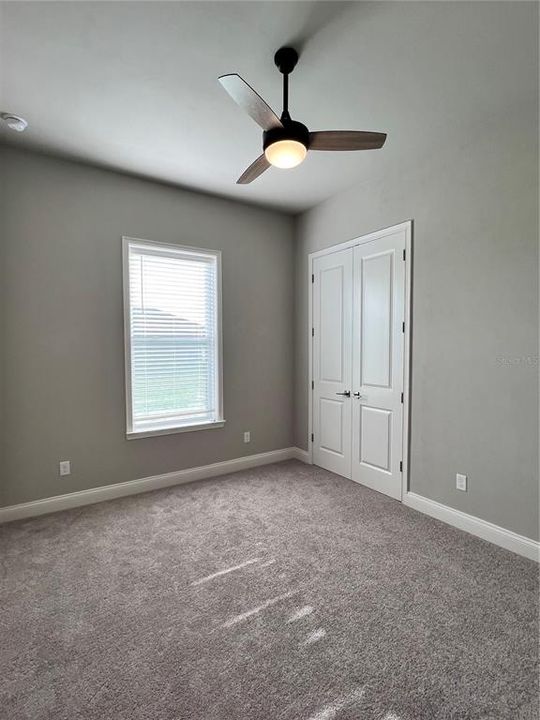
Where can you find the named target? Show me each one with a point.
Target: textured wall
(61, 314)
(474, 201)
(458, 85)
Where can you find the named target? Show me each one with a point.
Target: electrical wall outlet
(65, 467)
(247, 437)
(461, 482)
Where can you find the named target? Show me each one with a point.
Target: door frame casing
(406, 227)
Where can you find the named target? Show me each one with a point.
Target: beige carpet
(282, 593)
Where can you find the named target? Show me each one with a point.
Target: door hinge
(401, 466)
(312, 437)
(312, 278)
(403, 327)
(402, 398)
(313, 385)
(404, 254)
(312, 332)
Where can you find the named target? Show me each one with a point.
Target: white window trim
(188, 427)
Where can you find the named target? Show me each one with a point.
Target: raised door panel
(376, 438)
(331, 425)
(376, 321)
(331, 324)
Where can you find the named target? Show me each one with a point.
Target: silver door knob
(357, 395)
(347, 393)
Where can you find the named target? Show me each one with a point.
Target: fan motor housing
(291, 130)
(286, 59)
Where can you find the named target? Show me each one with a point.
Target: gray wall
(473, 197)
(457, 84)
(62, 325)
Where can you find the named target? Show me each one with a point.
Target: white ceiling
(133, 85)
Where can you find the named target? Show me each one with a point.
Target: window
(172, 298)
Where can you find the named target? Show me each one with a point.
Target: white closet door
(378, 340)
(332, 361)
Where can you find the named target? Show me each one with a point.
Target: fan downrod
(286, 59)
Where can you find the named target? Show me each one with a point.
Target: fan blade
(346, 140)
(254, 170)
(250, 101)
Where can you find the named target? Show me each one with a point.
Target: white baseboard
(133, 487)
(476, 526)
(302, 455)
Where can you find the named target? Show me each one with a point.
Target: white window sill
(134, 434)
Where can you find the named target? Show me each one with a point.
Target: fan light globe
(285, 153)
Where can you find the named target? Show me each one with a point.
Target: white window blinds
(172, 323)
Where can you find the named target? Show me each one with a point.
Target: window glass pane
(173, 336)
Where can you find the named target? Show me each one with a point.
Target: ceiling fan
(286, 141)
